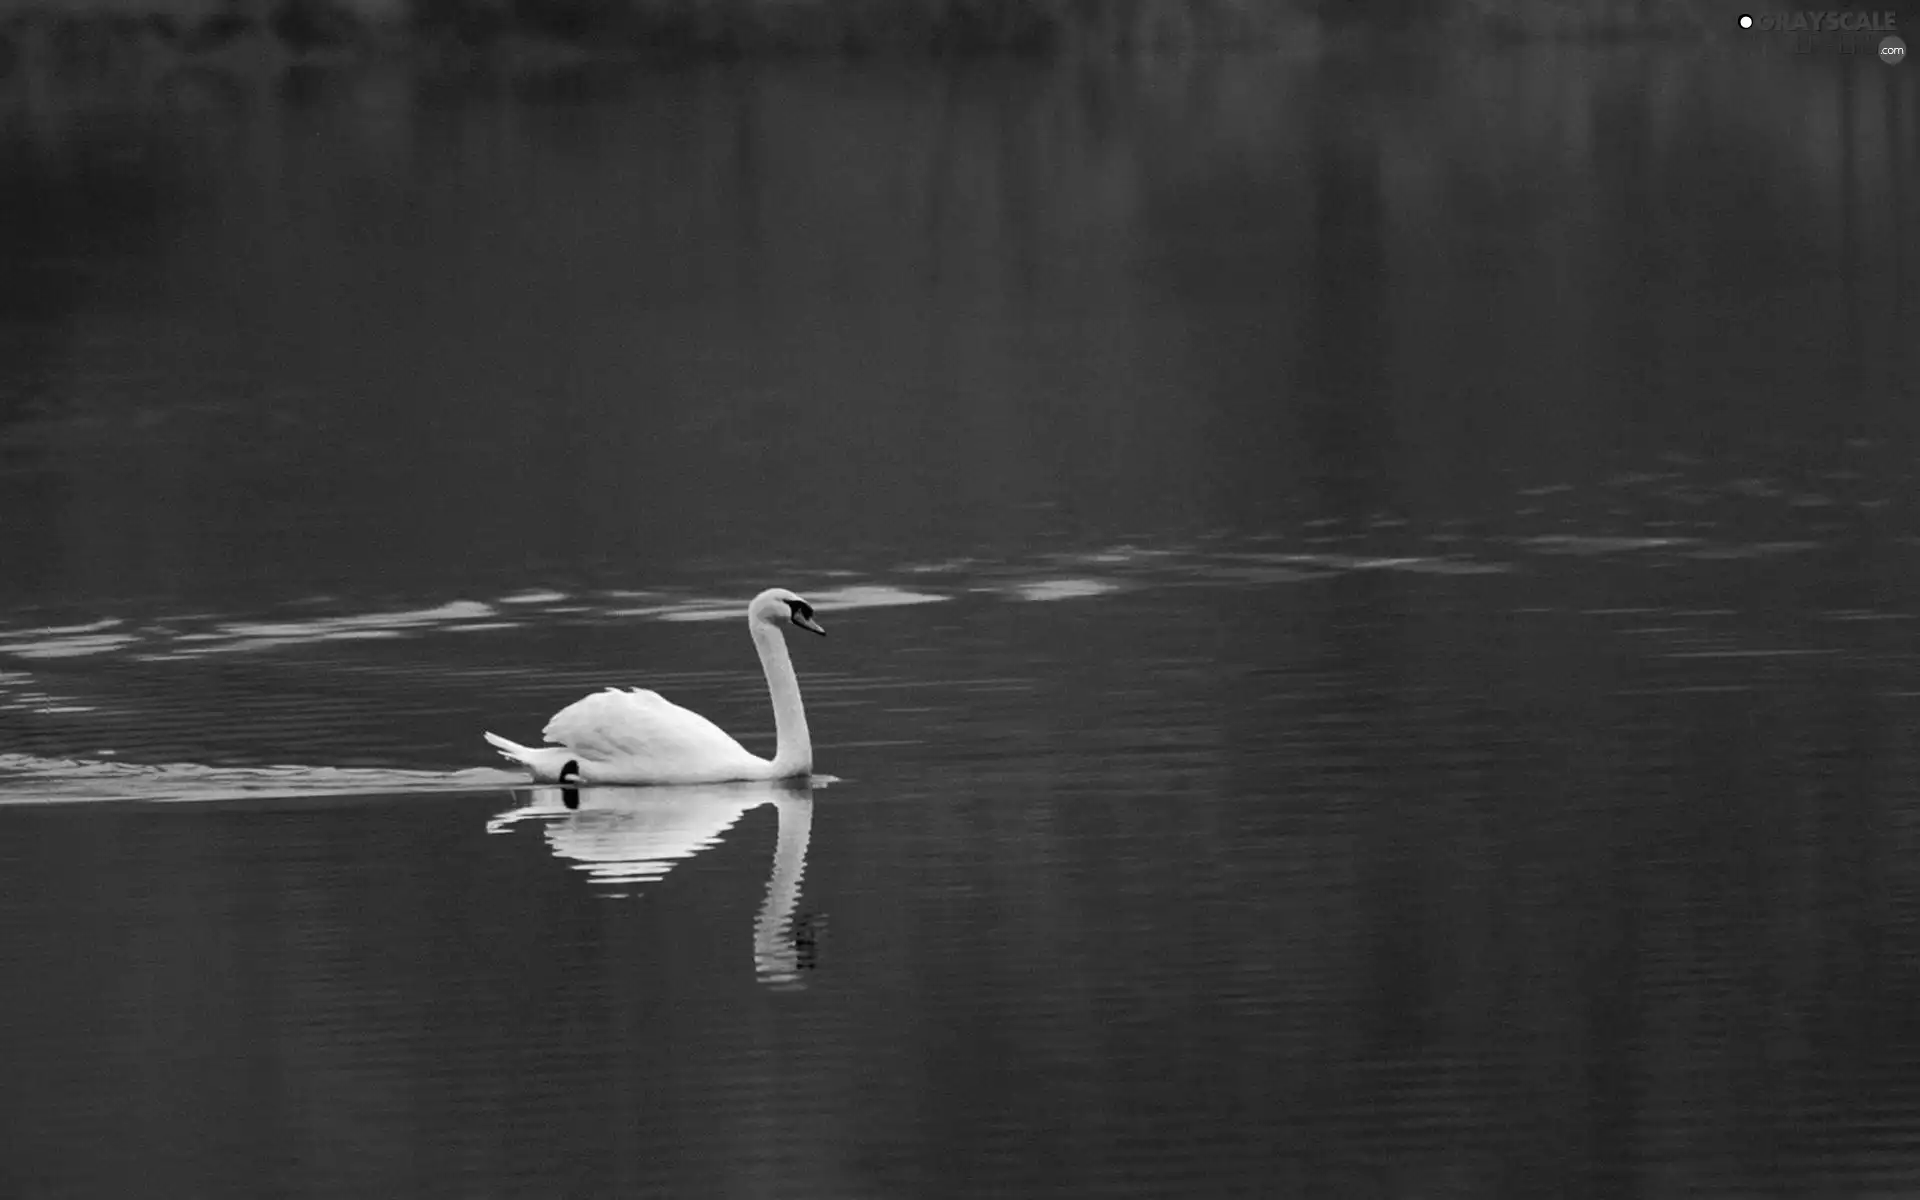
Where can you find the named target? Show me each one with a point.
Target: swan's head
(778, 604)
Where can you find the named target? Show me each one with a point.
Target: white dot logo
(1892, 51)
(1746, 22)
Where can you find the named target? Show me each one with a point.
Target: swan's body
(640, 737)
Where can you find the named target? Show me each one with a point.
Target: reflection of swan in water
(625, 837)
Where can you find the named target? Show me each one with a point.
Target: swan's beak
(809, 624)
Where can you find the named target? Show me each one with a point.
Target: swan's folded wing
(640, 724)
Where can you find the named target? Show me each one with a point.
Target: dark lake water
(1374, 643)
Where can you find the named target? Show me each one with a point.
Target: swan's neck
(793, 752)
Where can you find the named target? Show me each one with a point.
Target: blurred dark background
(281, 323)
(1408, 515)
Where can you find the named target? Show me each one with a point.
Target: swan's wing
(643, 725)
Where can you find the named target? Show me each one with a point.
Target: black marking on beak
(801, 614)
(569, 796)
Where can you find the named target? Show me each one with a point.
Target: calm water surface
(1373, 641)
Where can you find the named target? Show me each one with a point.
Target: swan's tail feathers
(547, 763)
(511, 750)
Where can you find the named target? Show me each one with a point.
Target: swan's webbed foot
(569, 796)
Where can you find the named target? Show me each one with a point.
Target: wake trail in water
(27, 779)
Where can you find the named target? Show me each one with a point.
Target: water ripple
(1127, 567)
(27, 779)
(1061, 589)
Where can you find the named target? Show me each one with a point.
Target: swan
(639, 737)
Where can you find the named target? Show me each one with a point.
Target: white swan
(639, 737)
